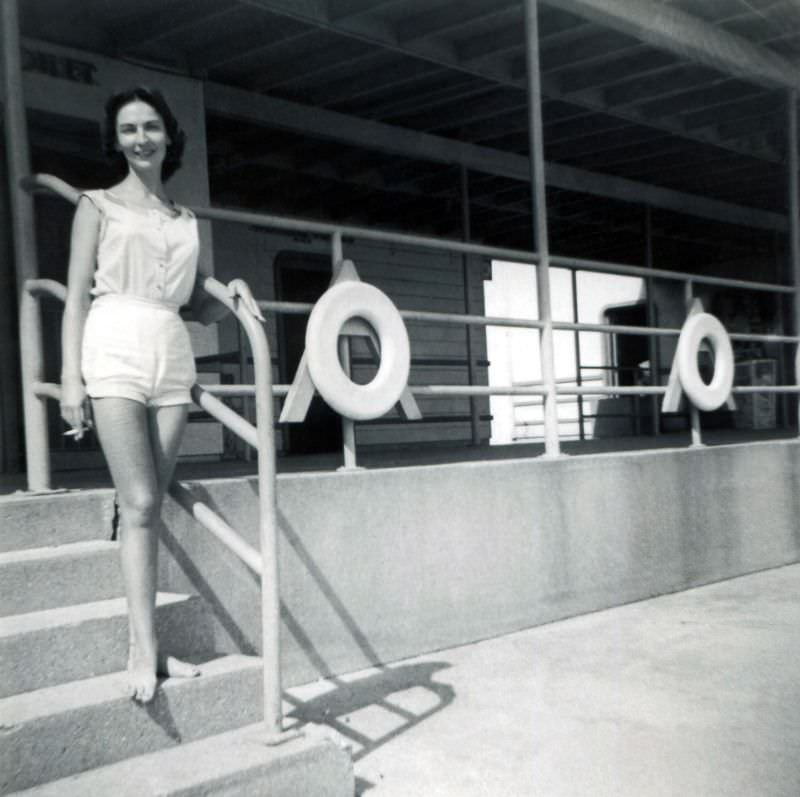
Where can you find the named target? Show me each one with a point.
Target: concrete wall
(384, 564)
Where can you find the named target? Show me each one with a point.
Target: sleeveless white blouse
(145, 253)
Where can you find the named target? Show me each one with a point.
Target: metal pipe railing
(292, 224)
(336, 232)
(213, 523)
(35, 390)
(267, 505)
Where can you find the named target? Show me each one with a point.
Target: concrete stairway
(65, 725)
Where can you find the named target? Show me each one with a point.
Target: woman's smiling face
(141, 136)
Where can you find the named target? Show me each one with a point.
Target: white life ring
(697, 328)
(336, 306)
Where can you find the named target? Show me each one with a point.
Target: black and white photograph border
(399, 397)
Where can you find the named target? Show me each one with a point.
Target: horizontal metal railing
(336, 232)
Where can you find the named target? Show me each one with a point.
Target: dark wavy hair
(155, 99)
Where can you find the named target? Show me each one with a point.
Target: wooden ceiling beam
(326, 124)
(173, 19)
(511, 72)
(441, 20)
(665, 27)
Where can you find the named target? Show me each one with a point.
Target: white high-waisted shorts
(137, 349)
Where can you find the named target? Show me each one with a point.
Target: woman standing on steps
(133, 263)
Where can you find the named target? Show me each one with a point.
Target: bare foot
(141, 676)
(171, 667)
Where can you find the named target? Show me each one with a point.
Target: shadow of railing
(405, 694)
(403, 691)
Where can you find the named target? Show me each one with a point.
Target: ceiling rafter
(494, 44)
(438, 21)
(308, 65)
(466, 89)
(256, 41)
(339, 10)
(171, 20)
(235, 103)
(674, 125)
(617, 69)
(454, 111)
(731, 110)
(608, 143)
(375, 81)
(652, 87)
(666, 27)
(445, 53)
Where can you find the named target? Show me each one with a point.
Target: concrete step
(58, 518)
(232, 763)
(62, 730)
(34, 579)
(55, 646)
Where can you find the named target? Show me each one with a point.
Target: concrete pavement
(693, 694)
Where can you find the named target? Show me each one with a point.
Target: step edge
(66, 551)
(43, 619)
(215, 758)
(49, 701)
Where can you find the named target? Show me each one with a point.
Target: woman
(134, 254)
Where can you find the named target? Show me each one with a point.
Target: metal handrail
(261, 437)
(62, 188)
(290, 224)
(336, 233)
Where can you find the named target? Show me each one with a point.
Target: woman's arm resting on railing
(206, 309)
(82, 257)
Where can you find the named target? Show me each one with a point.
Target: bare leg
(125, 436)
(167, 425)
(140, 446)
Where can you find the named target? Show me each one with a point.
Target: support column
(694, 413)
(794, 212)
(10, 407)
(536, 158)
(474, 412)
(577, 341)
(25, 260)
(348, 425)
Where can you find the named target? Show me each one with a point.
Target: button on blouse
(148, 253)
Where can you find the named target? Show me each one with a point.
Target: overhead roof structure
(367, 110)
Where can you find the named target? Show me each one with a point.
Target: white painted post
(793, 174)
(536, 158)
(652, 342)
(37, 450)
(348, 425)
(694, 413)
(466, 234)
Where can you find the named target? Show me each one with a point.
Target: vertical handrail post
(268, 531)
(466, 234)
(536, 159)
(247, 410)
(348, 424)
(267, 512)
(793, 174)
(694, 413)
(578, 374)
(37, 450)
